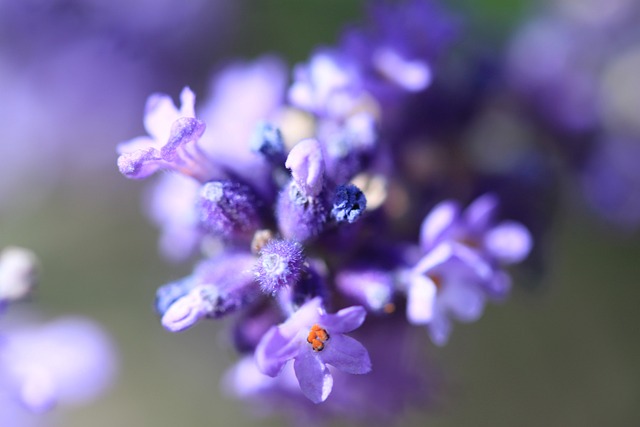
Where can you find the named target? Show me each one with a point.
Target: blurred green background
(564, 354)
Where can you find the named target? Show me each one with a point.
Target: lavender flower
(461, 265)
(70, 360)
(313, 339)
(285, 210)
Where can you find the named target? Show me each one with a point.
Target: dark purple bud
(279, 265)
(229, 209)
(349, 202)
(267, 140)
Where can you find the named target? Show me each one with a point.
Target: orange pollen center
(317, 337)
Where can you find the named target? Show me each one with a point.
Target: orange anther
(317, 345)
(317, 337)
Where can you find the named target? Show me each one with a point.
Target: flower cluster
(314, 227)
(68, 361)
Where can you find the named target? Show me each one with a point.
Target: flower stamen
(317, 337)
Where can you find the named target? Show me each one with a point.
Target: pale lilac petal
(413, 75)
(481, 212)
(420, 300)
(307, 166)
(140, 143)
(313, 375)
(500, 285)
(440, 329)
(345, 320)
(473, 260)
(465, 300)
(69, 360)
(274, 350)
(437, 222)
(346, 354)
(304, 317)
(160, 113)
(434, 258)
(188, 102)
(509, 242)
(38, 390)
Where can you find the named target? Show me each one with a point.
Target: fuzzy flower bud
(229, 209)
(280, 265)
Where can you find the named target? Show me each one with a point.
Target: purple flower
(460, 267)
(314, 339)
(329, 85)
(473, 232)
(172, 142)
(70, 360)
(440, 286)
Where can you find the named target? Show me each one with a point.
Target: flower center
(317, 337)
(437, 280)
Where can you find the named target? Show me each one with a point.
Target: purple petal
(346, 354)
(274, 350)
(509, 242)
(439, 329)
(413, 75)
(345, 320)
(464, 300)
(473, 260)
(481, 212)
(420, 299)
(499, 286)
(303, 318)
(69, 360)
(313, 376)
(441, 218)
(160, 113)
(307, 166)
(434, 258)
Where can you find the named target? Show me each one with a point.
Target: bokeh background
(74, 76)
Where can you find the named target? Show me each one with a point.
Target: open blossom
(314, 339)
(68, 361)
(461, 266)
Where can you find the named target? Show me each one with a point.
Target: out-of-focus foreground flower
(67, 361)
